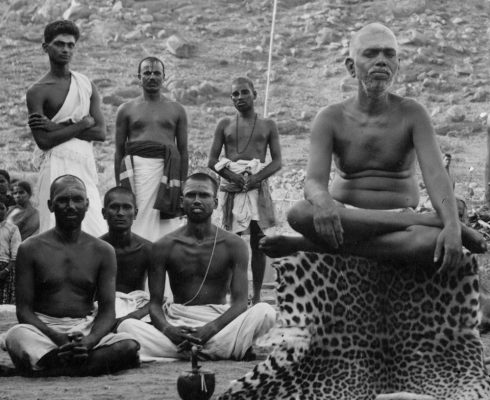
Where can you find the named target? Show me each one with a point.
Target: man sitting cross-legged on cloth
(204, 264)
(59, 275)
(133, 254)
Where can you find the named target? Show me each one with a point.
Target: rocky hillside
(205, 43)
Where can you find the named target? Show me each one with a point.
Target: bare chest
(57, 270)
(381, 143)
(158, 124)
(246, 140)
(54, 97)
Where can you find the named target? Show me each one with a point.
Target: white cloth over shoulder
(73, 157)
(245, 205)
(232, 342)
(26, 344)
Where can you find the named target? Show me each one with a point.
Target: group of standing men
(373, 137)
(59, 285)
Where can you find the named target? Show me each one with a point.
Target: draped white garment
(73, 157)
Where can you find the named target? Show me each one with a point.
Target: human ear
(50, 205)
(135, 213)
(103, 211)
(349, 64)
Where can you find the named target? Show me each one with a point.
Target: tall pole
(274, 11)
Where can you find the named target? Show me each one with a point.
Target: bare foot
(280, 246)
(473, 240)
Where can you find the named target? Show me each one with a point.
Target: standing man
(151, 152)
(487, 167)
(204, 264)
(247, 203)
(374, 138)
(59, 275)
(65, 117)
(133, 254)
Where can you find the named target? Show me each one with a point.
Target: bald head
(63, 181)
(372, 34)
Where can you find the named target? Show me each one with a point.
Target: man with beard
(151, 152)
(246, 202)
(204, 264)
(375, 138)
(59, 275)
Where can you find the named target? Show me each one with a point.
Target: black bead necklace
(249, 138)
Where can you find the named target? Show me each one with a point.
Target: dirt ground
(152, 381)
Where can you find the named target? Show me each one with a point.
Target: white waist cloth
(27, 344)
(148, 173)
(231, 342)
(245, 205)
(74, 157)
(126, 303)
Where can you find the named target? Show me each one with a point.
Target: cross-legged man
(133, 254)
(374, 138)
(60, 273)
(204, 264)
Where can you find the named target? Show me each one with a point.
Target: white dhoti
(126, 303)
(147, 174)
(74, 157)
(26, 344)
(232, 342)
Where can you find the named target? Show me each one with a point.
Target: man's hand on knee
(328, 226)
(449, 249)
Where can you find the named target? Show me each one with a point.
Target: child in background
(9, 243)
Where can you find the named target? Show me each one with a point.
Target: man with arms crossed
(59, 275)
(151, 152)
(247, 203)
(133, 254)
(65, 117)
(374, 139)
(204, 264)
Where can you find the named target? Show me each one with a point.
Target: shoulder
(269, 123)
(98, 244)
(224, 122)
(142, 241)
(126, 107)
(408, 104)
(166, 242)
(333, 111)
(37, 89)
(176, 106)
(232, 240)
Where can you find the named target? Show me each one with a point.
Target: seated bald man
(204, 265)
(374, 138)
(59, 275)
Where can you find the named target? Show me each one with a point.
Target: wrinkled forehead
(198, 186)
(151, 65)
(376, 37)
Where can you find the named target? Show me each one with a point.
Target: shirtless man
(247, 203)
(374, 139)
(151, 142)
(204, 264)
(133, 254)
(487, 167)
(59, 274)
(64, 118)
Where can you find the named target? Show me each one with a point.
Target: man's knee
(265, 312)
(299, 215)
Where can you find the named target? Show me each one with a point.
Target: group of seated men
(71, 287)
